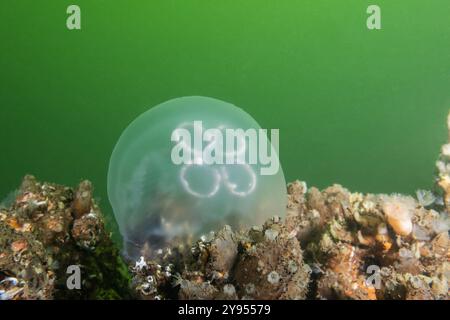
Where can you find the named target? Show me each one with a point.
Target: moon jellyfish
(190, 166)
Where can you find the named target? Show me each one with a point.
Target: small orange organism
(399, 210)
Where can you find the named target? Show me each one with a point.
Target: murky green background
(363, 108)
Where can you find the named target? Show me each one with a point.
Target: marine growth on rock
(331, 243)
(47, 229)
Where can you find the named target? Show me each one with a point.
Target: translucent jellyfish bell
(183, 169)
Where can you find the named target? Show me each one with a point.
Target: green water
(363, 108)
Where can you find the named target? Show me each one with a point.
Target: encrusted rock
(190, 290)
(87, 230)
(272, 268)
(223, 250)
(40, 239)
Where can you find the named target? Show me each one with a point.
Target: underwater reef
(332, 244)
(49, 228)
